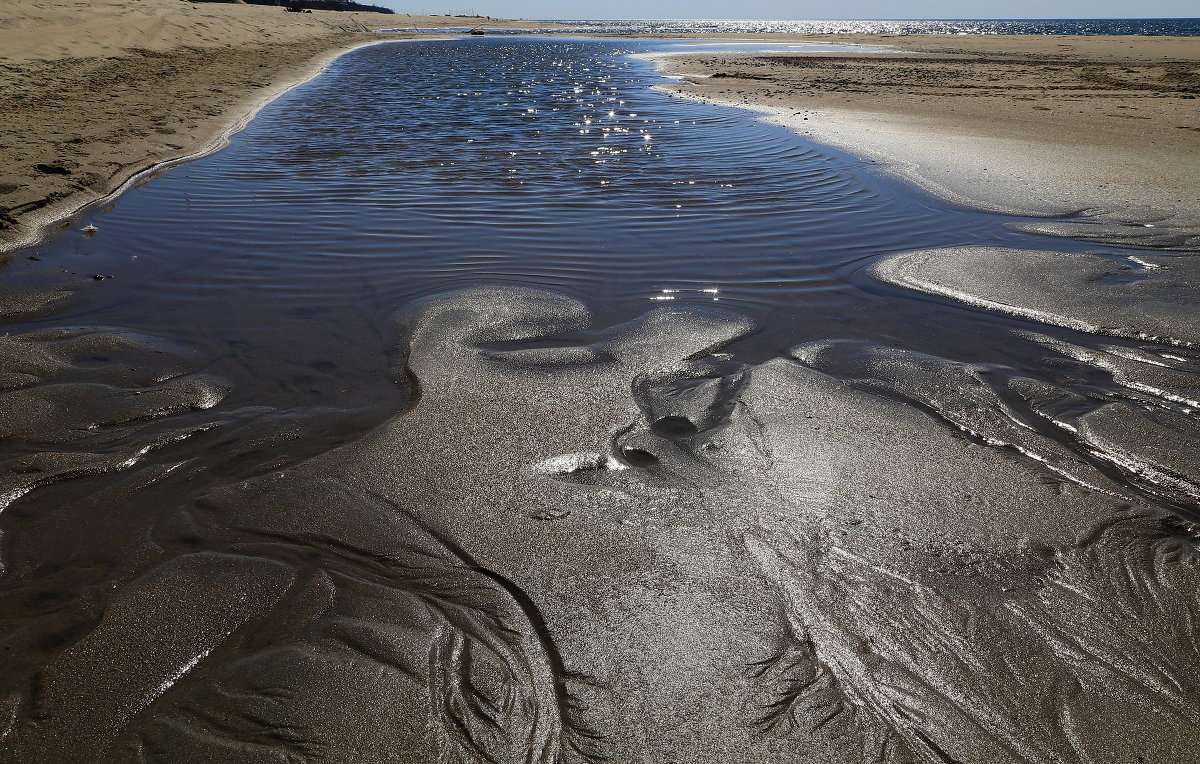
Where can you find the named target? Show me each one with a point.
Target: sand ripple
(592, 542)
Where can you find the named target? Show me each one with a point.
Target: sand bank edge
(34, 226)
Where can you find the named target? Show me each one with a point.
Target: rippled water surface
(619, 544)
(894, 26)
(411, 169)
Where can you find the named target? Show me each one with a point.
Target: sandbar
(1033, 125)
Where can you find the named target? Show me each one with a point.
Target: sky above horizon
(776, 9)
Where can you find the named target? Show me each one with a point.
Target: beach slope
(94, 93)
(1035, 125)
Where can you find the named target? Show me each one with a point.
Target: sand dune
(49, 31)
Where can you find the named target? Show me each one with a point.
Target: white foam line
(1143, 263)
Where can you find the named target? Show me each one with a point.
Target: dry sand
(93, 93)
(1033, 125)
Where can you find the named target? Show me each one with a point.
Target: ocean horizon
(1188, 27)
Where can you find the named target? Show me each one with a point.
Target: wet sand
(1022, 124)
(96, 92)
(632, 548)
(1098, 135)
(588, 542)
(1142, 297)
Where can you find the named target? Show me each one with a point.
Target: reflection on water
(721, 45)
(411, 169)
(889, 26)
(587, 538)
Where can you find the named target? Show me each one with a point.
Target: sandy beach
(945, 511)
(1026, 124)
(96, 92)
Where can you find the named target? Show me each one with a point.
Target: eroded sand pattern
(1141, 297)
(277, 488)
(619, 543)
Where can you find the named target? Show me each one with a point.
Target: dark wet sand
(1140, 296)
(541, 559)
(590, 543)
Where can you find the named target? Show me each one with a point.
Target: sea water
(411, 169)
(1170, 26)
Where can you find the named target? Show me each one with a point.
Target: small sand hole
(636, 457)
(674, 427)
